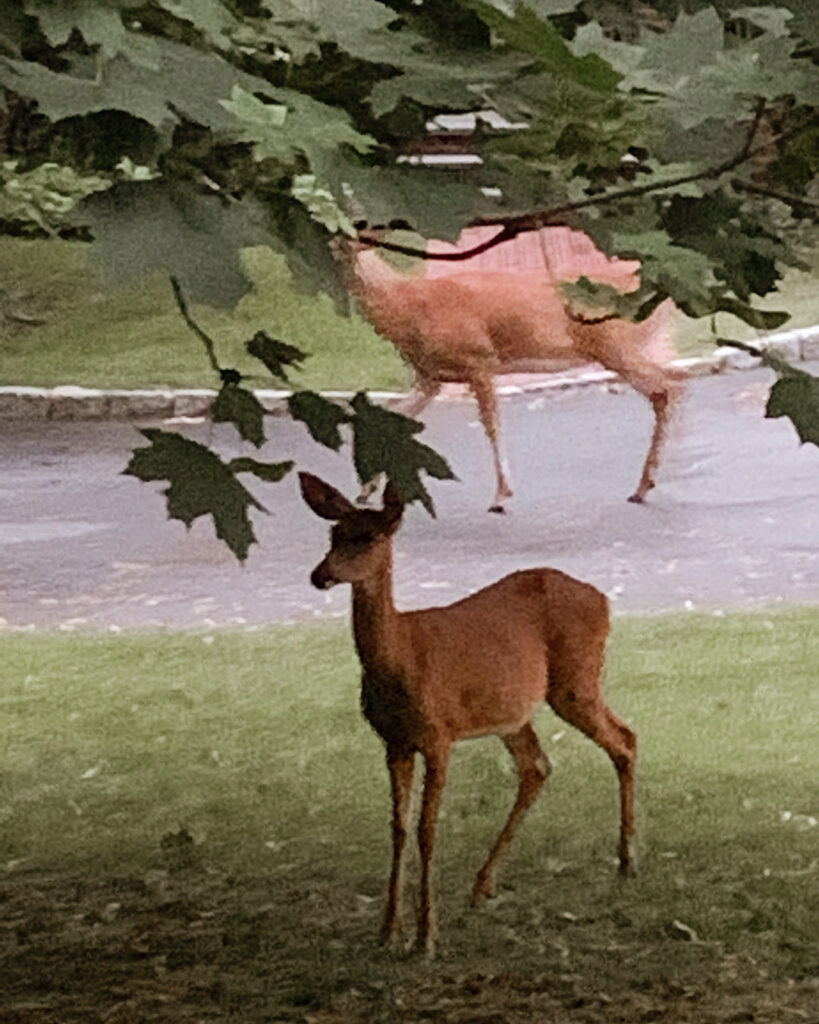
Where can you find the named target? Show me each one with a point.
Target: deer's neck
(376, 623)
(373, 281)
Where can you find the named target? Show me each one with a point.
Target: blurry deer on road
(469, 321)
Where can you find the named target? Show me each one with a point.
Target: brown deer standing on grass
(471, 325)
(477, 667)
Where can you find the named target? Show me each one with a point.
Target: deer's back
(482, 664)
(450, 327)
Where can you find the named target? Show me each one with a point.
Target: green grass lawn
(96, 335)
(134, 337)
(115, 750)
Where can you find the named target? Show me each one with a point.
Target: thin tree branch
(503, 235)
(786, 197)
(759, 110)
(742, 346)
(197, 330)
(557, 215)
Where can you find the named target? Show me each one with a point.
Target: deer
(472, 326)
(478, 667)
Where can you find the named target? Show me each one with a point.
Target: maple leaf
(794, 395)
(270, 472)
(200, 484)
(275, 354)
(383, 442)
(321, 417)
(240, 407)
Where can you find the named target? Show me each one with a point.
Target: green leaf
(181, 82)
(530, 33)
(209, 17)
(305, 245)
(144, 226)
(590, 39)
(321, 204)
(46, 195)
(433, 201)
(770, 19)
(761, 319)
(295, 125)
(798, 160)
(680, 272)
(364, 30)
(321, 417)
(742, 253)
(587, 298)
(358, 27)
(100, 24)
(672, 56)
(275, 354)
(804, 23)
(270, 472)
(701, 78)
(443, 81)
(237, 405)
(383, 442)
(200, 484)
(796, 395)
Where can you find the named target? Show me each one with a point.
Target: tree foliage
(203, 126)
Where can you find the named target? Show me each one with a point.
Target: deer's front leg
(434, 782)
(402, 767)
(483, 388)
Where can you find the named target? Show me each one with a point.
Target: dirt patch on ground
(126, 950)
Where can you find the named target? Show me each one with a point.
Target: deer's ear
(323, 499)
(393, 504)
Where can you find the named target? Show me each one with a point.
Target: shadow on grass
(196, 828)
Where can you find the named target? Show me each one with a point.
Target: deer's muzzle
(322, 578)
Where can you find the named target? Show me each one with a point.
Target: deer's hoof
(498, 509)
(639, 496)
(484, 889)
(425, 946)
(628, 868)
(395, 943)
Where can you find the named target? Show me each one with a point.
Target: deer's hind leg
(533, 769)
(615, 347)
(662, 404)
(574, 694)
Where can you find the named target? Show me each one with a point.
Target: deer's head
(360, 540)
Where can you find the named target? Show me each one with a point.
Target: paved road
(734, 522)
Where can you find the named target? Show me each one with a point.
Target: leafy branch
(206, 340)
(201, 483)
(555, 216)
(795, 394)
(807, 206)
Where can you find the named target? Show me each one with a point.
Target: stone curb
(68, 402)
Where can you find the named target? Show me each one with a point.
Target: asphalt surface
(733, 523)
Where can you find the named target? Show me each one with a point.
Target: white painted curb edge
(69, 402)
